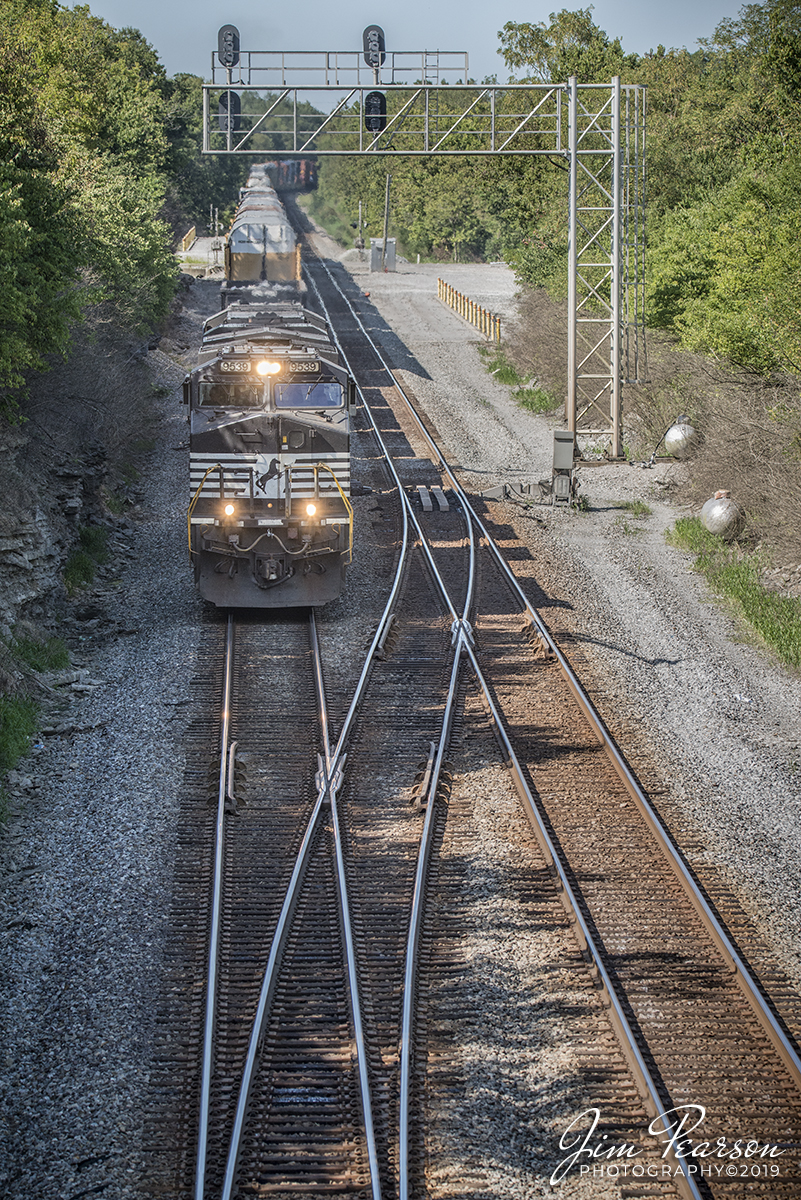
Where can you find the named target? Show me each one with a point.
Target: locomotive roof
(286, 326)
(280, 313)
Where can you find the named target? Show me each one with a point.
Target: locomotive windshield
(307, 395)
(230, 395)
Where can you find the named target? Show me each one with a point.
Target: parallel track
(620, 935)
(317, 1010)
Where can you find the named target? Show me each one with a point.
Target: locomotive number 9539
(243, 366)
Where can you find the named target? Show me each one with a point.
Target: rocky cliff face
(72, 461)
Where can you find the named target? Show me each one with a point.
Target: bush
(94, 540)
(51, 655)
(79, 570)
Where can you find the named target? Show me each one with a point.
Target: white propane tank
(681, 438)
(723, 516)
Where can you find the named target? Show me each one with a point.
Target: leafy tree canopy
(99, 151)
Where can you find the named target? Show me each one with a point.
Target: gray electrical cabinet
(564, 448)
(376, 245)
(564, 445)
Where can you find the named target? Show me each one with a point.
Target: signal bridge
(417, 104)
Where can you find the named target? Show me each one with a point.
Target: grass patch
(18, 718)
(114, 503)
(625, 527)
(734, 575)
(94, 542)
(92, 551)
(532, 398)
(689, 534)
(79, 571)
(498, 365)
(51, 655)
(637, 508)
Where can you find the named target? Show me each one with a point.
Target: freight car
(287, 174)
(270, 522)
(261, 245)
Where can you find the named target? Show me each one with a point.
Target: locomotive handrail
(345, 501)
(193, 502)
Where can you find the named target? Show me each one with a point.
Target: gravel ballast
(87, 853)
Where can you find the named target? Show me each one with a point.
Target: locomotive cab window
(307, 395)
(230, 395)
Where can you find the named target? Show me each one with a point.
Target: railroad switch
(422, 780)
(542, 650)
(336, 778)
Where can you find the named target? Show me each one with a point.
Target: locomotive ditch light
(311, 509)
(266, 367)
(229, 510)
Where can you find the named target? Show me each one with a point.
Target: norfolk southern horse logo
(273, 474)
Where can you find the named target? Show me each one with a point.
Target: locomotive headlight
(265, 367)
(229, 510)
(311, 509)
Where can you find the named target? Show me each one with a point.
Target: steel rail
(216, 913)
(331, 775)
(266, 994)
(421, 874)
(353, 979)
(645, 1081)
(653, 1100)
(772, 1027)
(461, 634)
(646, 1084)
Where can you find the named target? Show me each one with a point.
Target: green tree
(85, 153)
(572, 44)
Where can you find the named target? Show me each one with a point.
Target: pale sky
(184, 32)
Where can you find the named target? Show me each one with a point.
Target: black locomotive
(270, 520)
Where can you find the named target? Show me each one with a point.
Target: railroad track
(653, 937)
(330, 1086)
(283, 1036)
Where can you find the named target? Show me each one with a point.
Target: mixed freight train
(270, 521)
(261, 245)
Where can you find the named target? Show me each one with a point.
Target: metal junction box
(564, 448)
(376, 245)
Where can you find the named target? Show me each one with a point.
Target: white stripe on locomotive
(269, 474)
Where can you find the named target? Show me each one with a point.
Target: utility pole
(386, 223)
